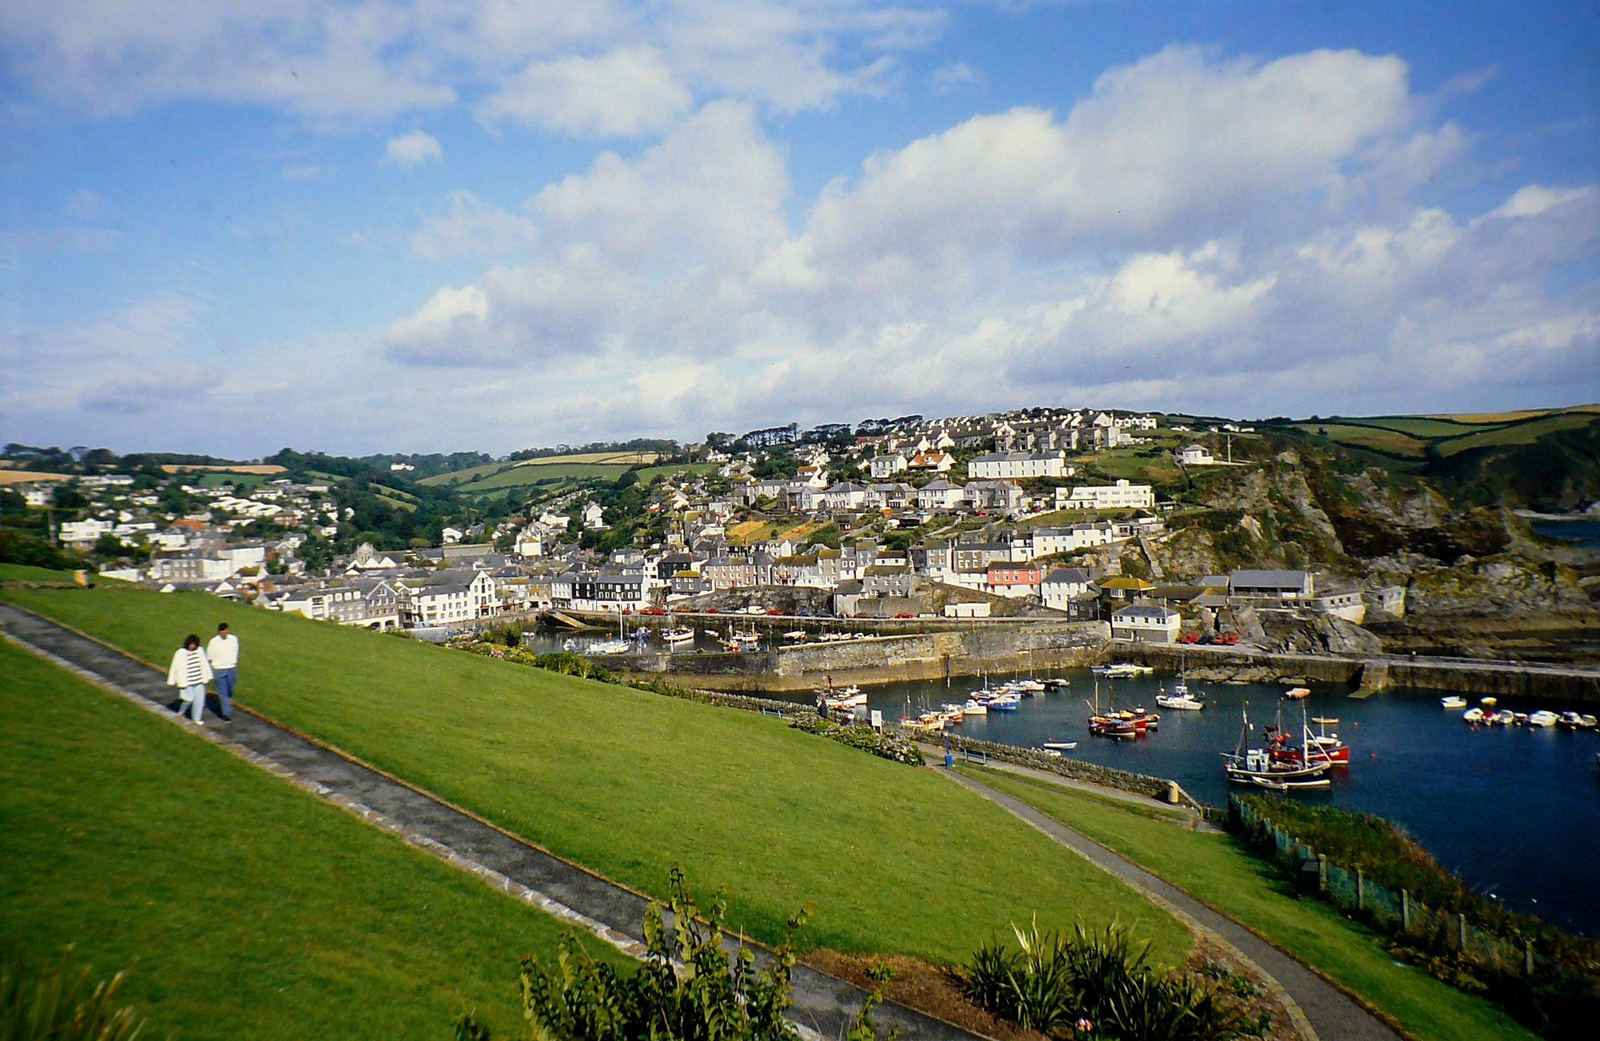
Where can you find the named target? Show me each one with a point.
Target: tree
(68, 496)
(314, 552)
(108, 545)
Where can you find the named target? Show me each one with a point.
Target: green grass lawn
(253, 909)
(629, 783)
(1219, 872)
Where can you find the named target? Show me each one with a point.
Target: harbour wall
(889, 659)
(1369, 676)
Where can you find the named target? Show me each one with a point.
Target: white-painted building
(1196, 455)
(1018, 466)
(1123, 495)
(1146, 623)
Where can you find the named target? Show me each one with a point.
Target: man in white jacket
(223, 650)
(189, 672)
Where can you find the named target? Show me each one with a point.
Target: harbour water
(1582, 532)
(1514, 811)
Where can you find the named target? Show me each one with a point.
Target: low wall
(1105, 776)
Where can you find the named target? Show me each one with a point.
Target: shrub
(1100, 981)
(714, 996)
(59, 1004)
(885, 746)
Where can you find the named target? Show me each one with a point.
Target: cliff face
(1456, 558)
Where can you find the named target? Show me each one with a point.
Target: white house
(450, 536)
(594, 518)
(1146, 623)
(935, 462)
(884, 467)
(84, 532)
(1196, 455)
(530, 541)
(1120, 496)
(939, 495)
(1064, 585)
(1017, 466)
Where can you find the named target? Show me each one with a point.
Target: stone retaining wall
(1104, 776)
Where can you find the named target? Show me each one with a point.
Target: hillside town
(964, 518)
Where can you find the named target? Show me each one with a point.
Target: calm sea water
(1584, 533)
(1514, 811)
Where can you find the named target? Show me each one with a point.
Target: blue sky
(420, 225)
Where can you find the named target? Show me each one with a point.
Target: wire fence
(1393, 911)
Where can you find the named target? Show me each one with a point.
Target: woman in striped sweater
(190, 672)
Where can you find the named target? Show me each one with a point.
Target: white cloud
(465, 223)
(413, 149)
(1221, 233)
(379, 59)
(627, 92)
(947, 79)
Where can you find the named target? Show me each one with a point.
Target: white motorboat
(1059, 746)
(1473, 715)
(1180, 701)
(1542, 718)
(1123, 670)
(679, 634)
(974, 707)
(842, 699)
(1453, 701)
(1575, 721)
(609, 647)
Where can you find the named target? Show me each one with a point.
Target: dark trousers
(226, 680)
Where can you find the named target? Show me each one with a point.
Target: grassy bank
(1218, 871)
(629, 783)
(253, 910)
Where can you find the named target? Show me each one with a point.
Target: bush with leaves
(62, 1004)
(1097, 983)
(688, 989)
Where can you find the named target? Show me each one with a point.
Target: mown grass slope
(249, 908)
(1215, 870)
(630, 783)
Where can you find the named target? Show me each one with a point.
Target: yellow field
(608, 458)
(746, 532)
(1512, 417)
(29, 476)
(261, 469)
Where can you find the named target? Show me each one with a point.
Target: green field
(247, 908)
(894, 859)
(1219, 872)
(1411, 437)
(556, 472)
(1392, 442)
(609, 460)
(1519, 433)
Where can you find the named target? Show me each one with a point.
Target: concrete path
(1330, 1013)
(581, 897)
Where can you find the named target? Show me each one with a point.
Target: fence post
(1322, 872)
(1361, 890)
(1461, 931)
(1405, 911)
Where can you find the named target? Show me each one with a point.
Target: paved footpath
(580, 897)
(1332, 1014)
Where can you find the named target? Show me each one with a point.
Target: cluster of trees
(25, 536)
(668, 449)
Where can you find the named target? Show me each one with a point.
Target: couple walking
(192, 669)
